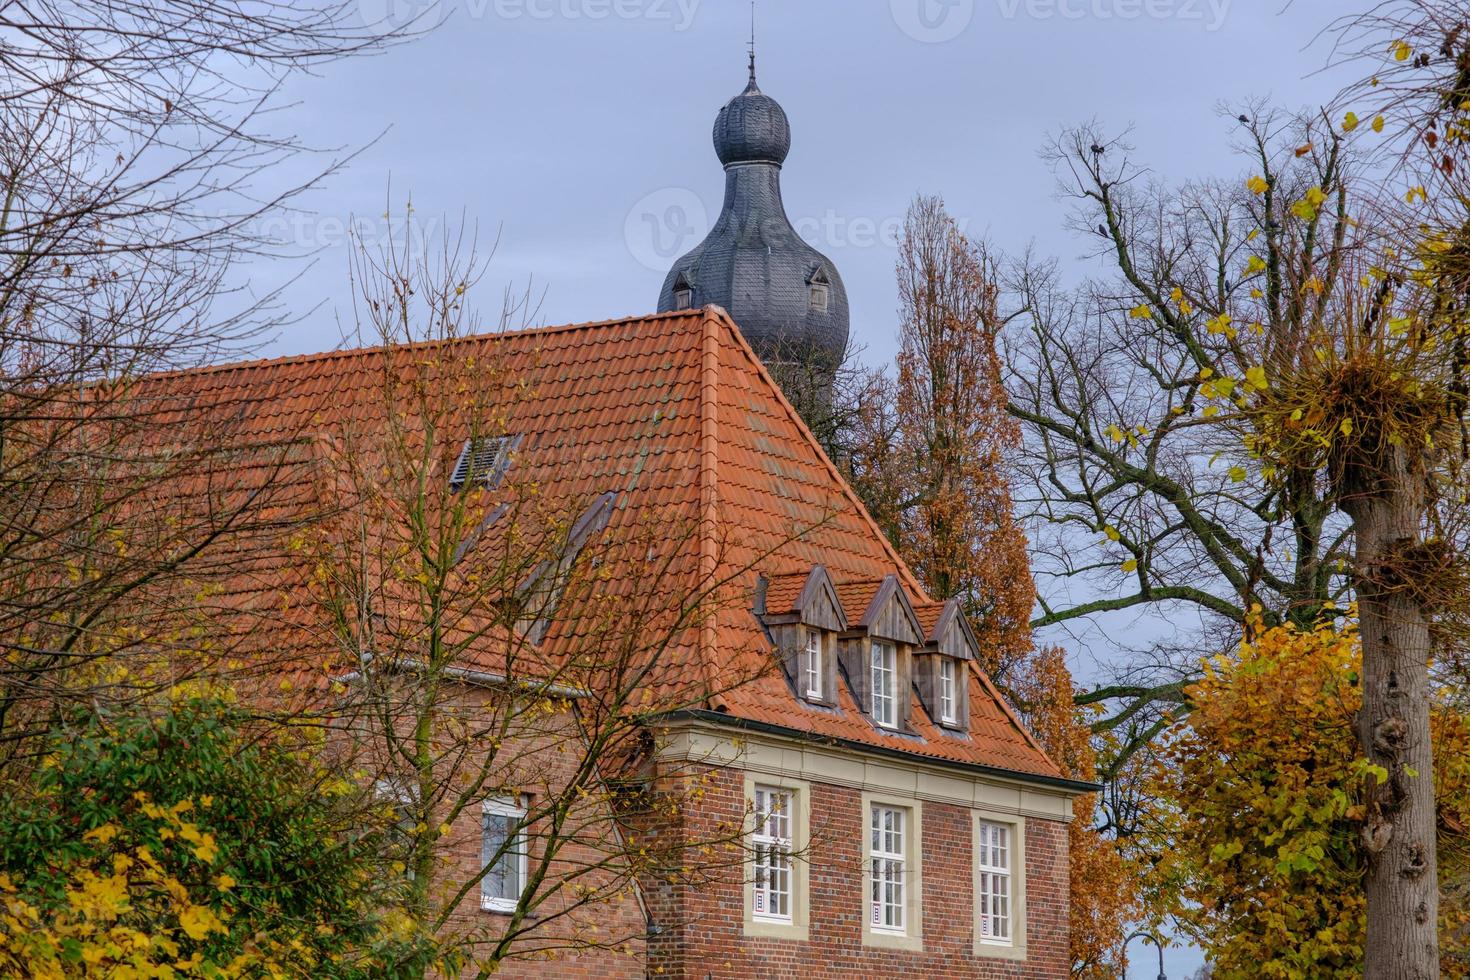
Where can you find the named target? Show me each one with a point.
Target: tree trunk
(1387, 509)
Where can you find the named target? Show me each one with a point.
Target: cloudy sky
(578, 132)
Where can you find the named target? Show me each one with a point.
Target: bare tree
(134, 166)
(1142, 501)
(508, 632)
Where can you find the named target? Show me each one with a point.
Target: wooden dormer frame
(951, 638)
(817, 609)
(890, 617)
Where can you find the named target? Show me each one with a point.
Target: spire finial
(752, 43)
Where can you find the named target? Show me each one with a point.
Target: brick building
(895, 817)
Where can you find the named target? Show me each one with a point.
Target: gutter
(973, 768)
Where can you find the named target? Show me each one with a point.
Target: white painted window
(885, 684)
(503, 854)
(947, 699)
(813, 675)
(994, 887)
(888, 855)
(771, 842)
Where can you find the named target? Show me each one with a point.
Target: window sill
(760, 927)
(889, 939)
(990, 949)
(497, 906)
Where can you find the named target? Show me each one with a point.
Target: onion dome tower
(786, 296)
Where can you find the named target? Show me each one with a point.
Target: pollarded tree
(1273, 793)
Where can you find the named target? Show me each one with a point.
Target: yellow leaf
(1377, 124)
(1401, 51)
(1350, 122)
(1253, 235)
(199, 921)
(1112, 533)
(1257, 185)
(1254, 265)
(1114, 433)
(1256, 377)
(1236, 474)
(1346, 427)
(224, 882)
(102, 835)
(1130, 565)
(1141, 312)
(1211, 412)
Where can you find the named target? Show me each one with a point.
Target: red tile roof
(676, 414)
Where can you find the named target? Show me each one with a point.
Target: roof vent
(481, 461)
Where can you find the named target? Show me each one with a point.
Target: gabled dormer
(942, 666)
(805, 617)
(878, 651)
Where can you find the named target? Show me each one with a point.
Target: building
(894, 816)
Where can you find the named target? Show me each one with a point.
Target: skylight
(480, 462)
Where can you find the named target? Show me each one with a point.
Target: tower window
(817, 301)
(683, 293)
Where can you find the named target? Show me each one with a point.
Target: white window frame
(948, 691)
(902, 856)
(883, 681)
(888, 868)
(772, 888)
(513, 809)
(796, 924)
(813, 666)
(990, 867)
(993, 890)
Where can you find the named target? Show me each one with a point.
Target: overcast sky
(579, 131)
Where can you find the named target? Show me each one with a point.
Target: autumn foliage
(180, 845)
(1268, 783)
(1104, 884)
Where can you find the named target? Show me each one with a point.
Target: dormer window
(804, 616)
(683, 293)
(813, 677)
(885, 683)
(878, 652)
(948, 701)
(819, 292)
(941, 666)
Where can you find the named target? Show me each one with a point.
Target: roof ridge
(344, 352)
(910, 579)
(709, 473)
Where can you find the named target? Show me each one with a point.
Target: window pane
(500, 852)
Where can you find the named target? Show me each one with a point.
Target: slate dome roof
(787, 297)
(752, 128)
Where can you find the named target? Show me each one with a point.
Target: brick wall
(702, 926)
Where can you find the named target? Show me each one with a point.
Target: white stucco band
(710, 744)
